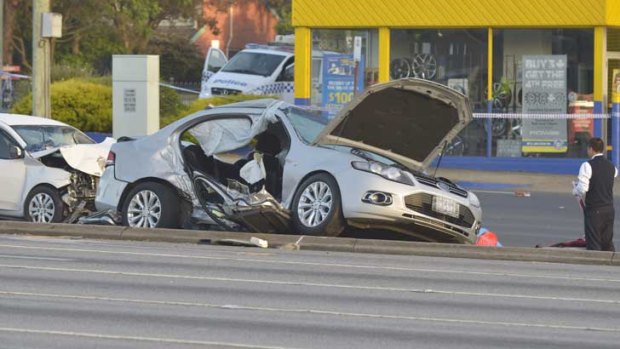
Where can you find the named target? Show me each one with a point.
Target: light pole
(1, 34)
(40, 61)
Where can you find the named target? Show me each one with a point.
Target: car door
(222, 137)
(214, 61)
(12, 174)
(286, 80)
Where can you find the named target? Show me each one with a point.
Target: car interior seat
(196, 160)
(269, 145)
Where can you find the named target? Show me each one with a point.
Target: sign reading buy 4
(544, 92)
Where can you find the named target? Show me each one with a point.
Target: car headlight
(473, 200)
(388, 172)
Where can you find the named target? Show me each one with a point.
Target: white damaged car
(363, 169)
(49, 170)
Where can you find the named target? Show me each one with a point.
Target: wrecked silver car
(268, 166)
(49, 170)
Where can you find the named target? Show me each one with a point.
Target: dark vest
(600, 193)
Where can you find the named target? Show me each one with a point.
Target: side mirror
(15, 152)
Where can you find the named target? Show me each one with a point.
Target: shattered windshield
(307, 123)
(39, 137)
(253, 63)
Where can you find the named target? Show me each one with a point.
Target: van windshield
(253, 63)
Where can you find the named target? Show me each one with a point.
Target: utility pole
(40, 61)
(1, 34)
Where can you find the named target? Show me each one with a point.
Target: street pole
(40, 62)
(1, 34)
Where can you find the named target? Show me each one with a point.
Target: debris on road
(522, 193)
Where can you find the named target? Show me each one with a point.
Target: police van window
(288, 74)
(5, 143)
(216, 60)
(253, 63)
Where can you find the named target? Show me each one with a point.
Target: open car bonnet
(87, 158)
(408, 121)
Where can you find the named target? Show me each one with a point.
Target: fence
(188, 91)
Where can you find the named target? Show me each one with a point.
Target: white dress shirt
(582, 185)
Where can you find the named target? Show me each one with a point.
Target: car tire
(317, 207)
(44, 205)
(161, 207)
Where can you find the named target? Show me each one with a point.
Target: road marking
(318, 264)
(37, 258)
(133, 338)
(310, 284)
(311, 311)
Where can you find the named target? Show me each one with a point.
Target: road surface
(65, 293)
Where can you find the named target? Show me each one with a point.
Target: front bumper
(410, 211)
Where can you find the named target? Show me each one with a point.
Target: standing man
(596, 183)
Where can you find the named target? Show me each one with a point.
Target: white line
(37, 258)
(132, 338)
(310, 311)
(311, 284)
(328, 265)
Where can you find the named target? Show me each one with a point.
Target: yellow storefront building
(550, 66)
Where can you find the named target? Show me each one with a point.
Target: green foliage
(179, 59)
(170, 104)
(60, 72)
(84, 105)
(201, 104)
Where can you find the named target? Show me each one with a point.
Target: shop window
(335, 75)
(453, 57)
(540, 75)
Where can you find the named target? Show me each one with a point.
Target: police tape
(539, 116)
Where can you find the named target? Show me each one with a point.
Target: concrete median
(314, 243)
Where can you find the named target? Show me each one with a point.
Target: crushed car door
(230, 203)
(235, 208)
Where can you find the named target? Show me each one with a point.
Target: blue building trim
(536, 165)
(598, 123)
(302, 101)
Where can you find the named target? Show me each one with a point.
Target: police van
(258, 69)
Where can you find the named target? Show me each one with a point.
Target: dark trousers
(599, 224)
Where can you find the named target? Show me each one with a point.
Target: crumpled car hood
(408, 121)
(87, 158)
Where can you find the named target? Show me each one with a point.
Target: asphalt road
(61, 293)
(542, 218)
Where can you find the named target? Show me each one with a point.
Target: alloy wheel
(42, 208)
(315, 204)
(144, 210)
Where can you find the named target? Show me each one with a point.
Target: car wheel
(151, 205)
(44, 205)
(317, 207)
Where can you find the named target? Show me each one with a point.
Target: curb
(315, 243)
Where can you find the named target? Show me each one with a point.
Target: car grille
(423, 203)
(216, 91)
(433, 182)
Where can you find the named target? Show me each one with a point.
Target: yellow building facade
(538, 58)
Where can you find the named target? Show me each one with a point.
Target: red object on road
(488, 238)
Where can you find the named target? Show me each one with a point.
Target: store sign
(544, 92)
(615, 93)
(338, 81)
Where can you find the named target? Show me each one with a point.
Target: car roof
(18, 119)
(268, 51)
